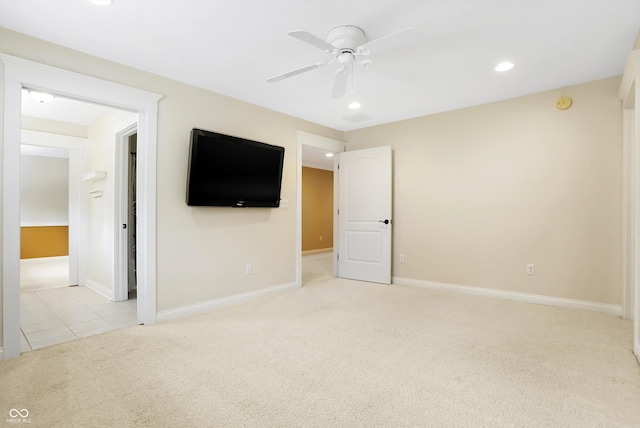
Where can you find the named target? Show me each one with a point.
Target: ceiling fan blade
(312, 40)
(340, 83)
(296, 72)
(393, 40)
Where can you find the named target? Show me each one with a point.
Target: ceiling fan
(347, 45)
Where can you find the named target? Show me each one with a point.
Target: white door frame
(18, 73)
(305, 138)
(123, 129)
(76, 148)
(629, 93)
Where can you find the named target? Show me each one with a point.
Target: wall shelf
(94, 175)
(97, 193)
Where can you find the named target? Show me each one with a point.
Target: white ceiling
(62, 109)
(315, 157)
(232, 46)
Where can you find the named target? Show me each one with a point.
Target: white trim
(636, 202)
(512, 295)
(628, 213)
(223, 302)
(318, 251)
(18, 73)
(45, 224)
(99, 288)
(631, 70)
(629, 93)
(325, 143)
(11, 218)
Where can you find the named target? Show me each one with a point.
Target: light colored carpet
(341, 354)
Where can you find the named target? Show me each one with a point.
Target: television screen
(233, 172)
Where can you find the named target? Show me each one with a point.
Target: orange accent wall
(317, 209)
(44, 241)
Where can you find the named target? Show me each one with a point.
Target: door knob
(385, 221)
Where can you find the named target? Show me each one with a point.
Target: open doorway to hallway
(66, 292)
(317, 217)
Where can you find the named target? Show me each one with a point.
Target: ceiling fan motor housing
(346, 37)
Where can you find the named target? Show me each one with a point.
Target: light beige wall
(317, 209)
(100, 214)
(481, 192)
(201, 251)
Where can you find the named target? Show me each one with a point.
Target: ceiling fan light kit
(348, 46)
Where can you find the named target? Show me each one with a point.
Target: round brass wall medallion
(564, 103)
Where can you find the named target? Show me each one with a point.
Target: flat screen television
(226, 171)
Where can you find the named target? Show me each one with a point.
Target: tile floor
(49, 316)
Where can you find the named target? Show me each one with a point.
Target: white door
(364, 216)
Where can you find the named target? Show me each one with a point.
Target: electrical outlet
(401, 258)
(531, 269)
(284, 203)
(320, 238)
(247, 269)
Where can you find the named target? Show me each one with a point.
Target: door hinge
(338, 210)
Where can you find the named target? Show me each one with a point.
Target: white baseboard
(512, 295)
(222, 302)
(99, 288)
(321, 250)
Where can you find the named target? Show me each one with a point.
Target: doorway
(315, 266)
(44, 218)
(126, 204)
(53, 308)
(132, 285)
(317, 223)
(18, 73)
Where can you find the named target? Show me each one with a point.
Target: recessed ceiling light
(41, 97)
(504, 66)
(101, 2)
(354, 105)
(329, 155)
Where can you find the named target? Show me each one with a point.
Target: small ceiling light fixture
(354, 105)
(329, 155)
(101, 2)
(504, 66)
(41, 97)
